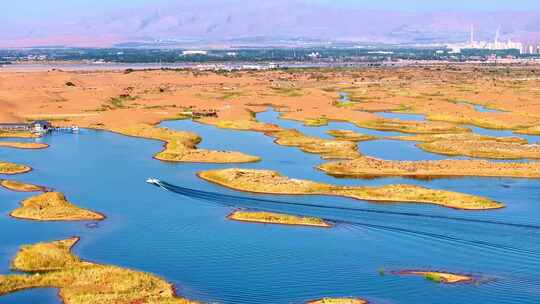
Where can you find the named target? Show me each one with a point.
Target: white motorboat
(152, 180)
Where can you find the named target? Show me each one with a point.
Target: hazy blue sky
(85, 22)
(39, 8)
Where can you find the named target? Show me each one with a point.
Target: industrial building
(496, 45)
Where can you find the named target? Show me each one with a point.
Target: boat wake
(267, 205)
(238, 201)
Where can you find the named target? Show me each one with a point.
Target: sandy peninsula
(20, 186)
(369, 167)
(327, 148)
(439, 277)
(23, 145)
(271, 182)
(181, 146)
(277, 218)
(53, 206)
(52, 265)
(11, 168)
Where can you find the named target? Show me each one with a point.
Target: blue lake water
(274, 117)
(532, 139)
(402, 116)
(41, 296)
(481, 108)
(190, 242)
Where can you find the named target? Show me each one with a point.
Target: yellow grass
(459, 137)
(267, 181)
(474, 145)
(182, 146)
(277, 218)
(52, 265)
(23, 145)
(417, 127)
(535, 130)
(327, 148)
(483, 149)
(53, 206)
(368, 167)
(439, 277)
(10, 168)
(489, 122)
(316, 122)
(19, 186)
(350, 135)
(338, 301)
(244, 125)
(17, 134)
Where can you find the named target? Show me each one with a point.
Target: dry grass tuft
(439, 277)
(19, 186)
(369, 167)
(350, 135)
(10, 168)
(80, 282)
(17, 134)
(23, 145)
(277, 218)
(53, 206)
(328, 149)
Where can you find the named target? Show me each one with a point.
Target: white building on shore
(194, 52)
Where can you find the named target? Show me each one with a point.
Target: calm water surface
(189, 241)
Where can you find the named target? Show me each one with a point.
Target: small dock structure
(40, 127)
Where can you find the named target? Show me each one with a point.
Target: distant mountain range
(234, 22)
